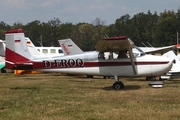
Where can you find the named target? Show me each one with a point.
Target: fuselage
(88, 63)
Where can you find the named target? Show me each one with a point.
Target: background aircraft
(175, 70)
(90, 63)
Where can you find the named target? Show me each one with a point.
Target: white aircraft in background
(89, 63)
(2, 54)
(175, 70)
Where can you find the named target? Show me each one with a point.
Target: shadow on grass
(127, 87)
(24, 88)
(172, 82)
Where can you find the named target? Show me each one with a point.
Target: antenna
(105, 36)
(40, 43)
(143, 44)
(149, 44)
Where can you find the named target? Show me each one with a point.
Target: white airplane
(175, 70)
(90, 63)
(2, 52)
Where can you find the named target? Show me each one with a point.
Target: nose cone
(164, 65)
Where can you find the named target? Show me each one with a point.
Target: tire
(3, 70)
(118, 85)
(89, 76)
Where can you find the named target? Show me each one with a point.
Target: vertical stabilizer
(16, 48)
(69, 47)
(31, 48)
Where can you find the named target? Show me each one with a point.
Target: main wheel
(3, 70)
(118, 85)
(89, 76)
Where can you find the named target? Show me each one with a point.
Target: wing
(121, 43)
(161, 50)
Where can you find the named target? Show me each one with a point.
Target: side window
(52, 51)
(38, 50)
(122, 54)
(60, 51)
(101, 55)
(45, 51)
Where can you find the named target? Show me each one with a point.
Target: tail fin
(176, 64)
(69, 47)
(2, 48)
(17, 53)
(32, 49)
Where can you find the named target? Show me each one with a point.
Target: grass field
(59, 97)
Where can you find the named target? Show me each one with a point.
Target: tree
(3, 28)
(98, 24)
(86, 34)
(33, 30)
(53, 27)
(165, 29)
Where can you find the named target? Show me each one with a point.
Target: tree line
(158, 30)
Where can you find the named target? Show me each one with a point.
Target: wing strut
(132, 60)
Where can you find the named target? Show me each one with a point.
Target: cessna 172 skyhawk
(89, 63)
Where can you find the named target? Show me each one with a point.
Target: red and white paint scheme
(88, 63)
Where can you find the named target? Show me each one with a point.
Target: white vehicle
(89, 63)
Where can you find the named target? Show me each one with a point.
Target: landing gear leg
(118, 84)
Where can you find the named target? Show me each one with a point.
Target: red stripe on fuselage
(53, 65)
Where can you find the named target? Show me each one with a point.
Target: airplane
(89, 63)
(2, 52)
(175, 70)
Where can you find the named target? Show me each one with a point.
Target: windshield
(137, 52)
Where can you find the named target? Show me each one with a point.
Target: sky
(76, 11)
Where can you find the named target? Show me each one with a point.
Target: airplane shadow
(126, 87)
(24, 88)
(172, 82)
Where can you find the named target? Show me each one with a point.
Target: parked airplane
(175, 70)
(92, 63)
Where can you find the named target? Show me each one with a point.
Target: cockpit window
(137, 52)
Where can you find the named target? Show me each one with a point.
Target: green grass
(59, 97)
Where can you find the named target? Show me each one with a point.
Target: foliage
(158, 30)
